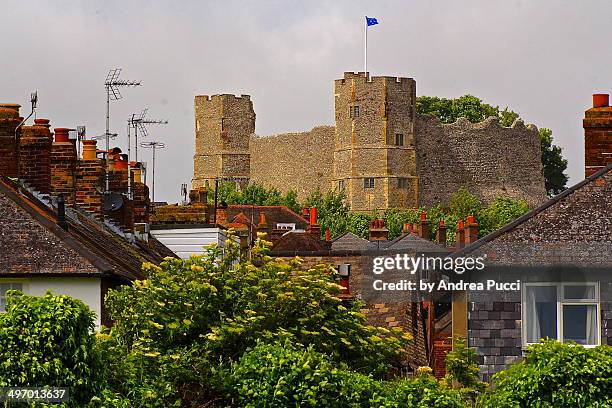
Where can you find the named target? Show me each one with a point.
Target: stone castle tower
(224, 125)
(374, 154)
(381, 152)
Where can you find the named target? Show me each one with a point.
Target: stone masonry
(380, 151)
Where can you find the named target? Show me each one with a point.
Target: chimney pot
(42, 122)
(313, 216)
(61, 135)
(601, 100)
(423, 216)
(327, 235)
(89, 150)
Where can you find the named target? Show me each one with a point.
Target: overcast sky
(541, 58)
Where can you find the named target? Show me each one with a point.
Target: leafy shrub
(555, 375)
(283, 375)
(47, 341)
(176, 330)
(462, 370)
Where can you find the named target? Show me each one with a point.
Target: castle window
(222, 124)
(399, 139)
(368, 182)
(354, 111)
(341, 185)
(403, 182)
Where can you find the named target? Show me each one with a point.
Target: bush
(555, 375)
(286, 375)
(47, 341)
(175, 331)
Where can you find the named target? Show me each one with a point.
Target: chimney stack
(378, 232)
(35, 155)
(441, 235)
(598, 134)
(63, 166)
(90, 180)
(424, 227)
(471, 230)
(460, 235)
(9, 158)
(314, 228)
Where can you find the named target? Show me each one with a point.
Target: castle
(381, 152)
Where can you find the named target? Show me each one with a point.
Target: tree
(555, 375)
(177, 332)
(554, 164)
(47, 341)
(475, 110)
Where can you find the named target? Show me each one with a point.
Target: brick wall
(89, 185)
(35, 155)
(597, 135)
(63, 169)
(9, 119)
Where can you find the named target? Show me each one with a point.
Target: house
(354, 256)
(187, 228)
(61, 228)
(559, 254)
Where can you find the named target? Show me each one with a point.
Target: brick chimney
(90, 180)
(262, 225)
(378, 232)
(141, 202)
(35, 155)
(441, 234)
(597, 135)
(460, 235)
(424, 227)
(63, 166)
(471, 230)
(407, 228)
(313, 227)
(9, 156)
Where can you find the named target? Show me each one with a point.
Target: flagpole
(365, 59)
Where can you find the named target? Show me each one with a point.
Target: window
(354, 111)
(399, 139)
(368, 182)
(341, 185)
(402, 182)
(5, 287)
(562, 311)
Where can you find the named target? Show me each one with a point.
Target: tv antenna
(154, 146)
(33, 102)
(112, 85)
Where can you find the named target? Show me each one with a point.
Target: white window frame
(22, 282)
(560, 303)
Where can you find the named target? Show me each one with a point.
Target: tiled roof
(275, 214)
(414, 242)
(300, 241)
(31, 242)
(350, 242)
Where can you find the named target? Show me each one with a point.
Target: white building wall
(87, 290)
(187, 241)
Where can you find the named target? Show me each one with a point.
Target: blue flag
(371, 21)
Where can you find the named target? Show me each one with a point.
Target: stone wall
(488, 159)
(294, 161)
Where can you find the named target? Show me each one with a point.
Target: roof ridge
(549, 203)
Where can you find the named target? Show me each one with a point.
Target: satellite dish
(113, 201)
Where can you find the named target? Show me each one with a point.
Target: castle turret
(224, 125)
(374, 152)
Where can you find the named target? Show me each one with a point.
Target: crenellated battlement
(223, 97)
(358, 79)
(491, 123)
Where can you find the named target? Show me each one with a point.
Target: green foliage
(475, 110)
(555, 375)
(554, 164)
(462, 370)
(175, 331)
(281, 375)
(46, 341)
(334, 214)
(254, 194)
